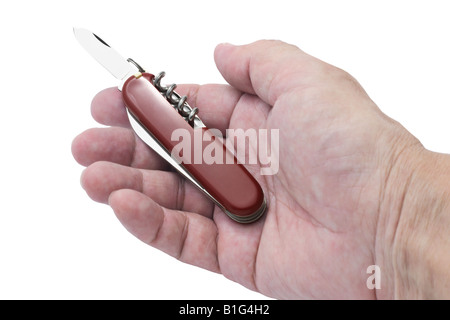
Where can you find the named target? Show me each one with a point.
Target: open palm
(335, 150)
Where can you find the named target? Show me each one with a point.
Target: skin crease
(324, 226)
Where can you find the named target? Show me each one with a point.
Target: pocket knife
(155, 111)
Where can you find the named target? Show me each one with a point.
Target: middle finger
(118, 145)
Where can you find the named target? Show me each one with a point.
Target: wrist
(414, 226)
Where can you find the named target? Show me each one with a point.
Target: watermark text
(253, 147)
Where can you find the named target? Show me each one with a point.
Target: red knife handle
(230, 184)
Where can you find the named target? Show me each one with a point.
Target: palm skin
(336, 149)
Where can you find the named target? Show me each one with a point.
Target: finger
(118, 145)
(108, 108)
(216, 102)
(186, 236)
(265, 68)
(168, 189)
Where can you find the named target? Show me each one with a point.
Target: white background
(55, 243)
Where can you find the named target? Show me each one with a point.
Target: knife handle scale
(234, 189)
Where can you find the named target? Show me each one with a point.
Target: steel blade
(104, 54)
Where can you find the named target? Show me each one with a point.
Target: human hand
(337, 154)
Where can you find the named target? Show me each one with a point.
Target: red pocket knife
(155, 111)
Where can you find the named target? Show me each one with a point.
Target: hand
(337, 154)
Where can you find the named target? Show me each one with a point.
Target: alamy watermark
(374, 280)
(208, 146)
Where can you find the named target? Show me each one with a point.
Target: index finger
(216, 103)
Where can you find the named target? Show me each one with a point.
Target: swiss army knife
(155, 111)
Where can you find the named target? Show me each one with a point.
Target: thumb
(267, 68)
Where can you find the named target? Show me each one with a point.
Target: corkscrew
(156, 111)
(178, 102)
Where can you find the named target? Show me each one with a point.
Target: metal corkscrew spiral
(177, 101)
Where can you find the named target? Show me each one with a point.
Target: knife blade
(104, 54)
